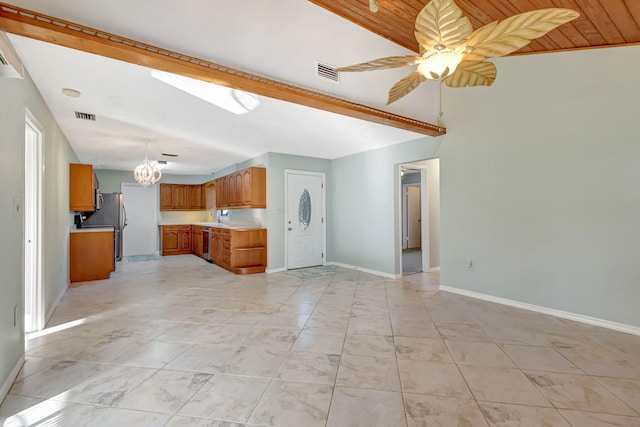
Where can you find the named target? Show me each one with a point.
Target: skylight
(232, 100)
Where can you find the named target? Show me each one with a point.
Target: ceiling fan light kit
(451, 51)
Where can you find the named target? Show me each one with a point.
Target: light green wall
(541, 184)
(365, 211)
(16, 96)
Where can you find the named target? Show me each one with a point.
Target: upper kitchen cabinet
(244, 189)
(83, 188)
(210, 195)
(181, 197)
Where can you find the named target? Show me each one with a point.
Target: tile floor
(178, 342)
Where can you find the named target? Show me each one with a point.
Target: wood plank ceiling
(602, 23)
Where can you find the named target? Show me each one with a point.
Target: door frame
(425, 246)
(405, 211)
(156, 189)
(323, 192)
(33, 290)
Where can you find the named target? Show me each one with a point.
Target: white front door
(304, 219)
(140, 236)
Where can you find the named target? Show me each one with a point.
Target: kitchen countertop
(213, 225)
(92, 230)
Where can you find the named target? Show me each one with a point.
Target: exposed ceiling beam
(53, 30)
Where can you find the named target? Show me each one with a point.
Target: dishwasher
(206, 251)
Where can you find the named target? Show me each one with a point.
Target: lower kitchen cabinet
(176, 239)
(91, 254)
(241, 251)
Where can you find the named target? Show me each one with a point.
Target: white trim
(275, 270)
(323, 192)
(434, 269)
(635, 330)
(425, 245)
(36, 287)
(6, 386)
(365, 270)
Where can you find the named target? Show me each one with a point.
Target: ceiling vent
(10, 64)
(169, 155)
(325, 71)
(85, 116)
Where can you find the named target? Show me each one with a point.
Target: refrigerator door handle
(124, 211)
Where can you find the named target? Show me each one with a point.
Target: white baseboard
(6, 386)
(434, 269)
(54, 306)
(365, 270)
(275, 270)
(545, 310)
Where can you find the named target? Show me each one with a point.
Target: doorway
(33, 291)
(140, 237)
(419, 208)
(305, 226)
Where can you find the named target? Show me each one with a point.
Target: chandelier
(147, 173)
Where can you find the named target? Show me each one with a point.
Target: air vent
(3, 61)
(85, 116)
(169, 155)
(328, 72)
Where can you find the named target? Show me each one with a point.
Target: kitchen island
(237, 248)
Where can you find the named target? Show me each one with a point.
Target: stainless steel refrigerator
(111, 214)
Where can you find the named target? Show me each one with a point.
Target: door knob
(290, 228)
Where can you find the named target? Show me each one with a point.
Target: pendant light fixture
(147, 173)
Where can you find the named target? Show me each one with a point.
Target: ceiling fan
(452, 52)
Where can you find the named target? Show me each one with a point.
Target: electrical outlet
(470, 264)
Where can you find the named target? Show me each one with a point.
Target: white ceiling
(280, 39)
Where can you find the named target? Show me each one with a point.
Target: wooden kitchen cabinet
(210, 195)
(245, 189)
(176, 239)
(240, 251)
(83, 187)
(91, 254)
(181, 197)
(196, 197)
(197, 242)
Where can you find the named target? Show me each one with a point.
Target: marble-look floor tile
(255, 362)
(370, 325)
(626, 390)
(429, 349)
(579, 392)
(502, 385)
(478, 353)
(592, 419)
(126, 417)
(369, 345)
(33, 365)
(539, 359)
(165, 391)
(463, 332)
(354, 407)
(56, 379)
(603, 363)
(18, 411)
(180, 421)
(318, 342)
(208, 358)
(226, 398)
(288, 403)
(414, 328)
(441, 379)
(307, 367)
(368, 372)
(438, 411)
(505, 415)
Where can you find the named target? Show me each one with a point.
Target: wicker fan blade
(382, 63)
(506, 36)
(472, 73)
(441, 22)
(405, 86)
